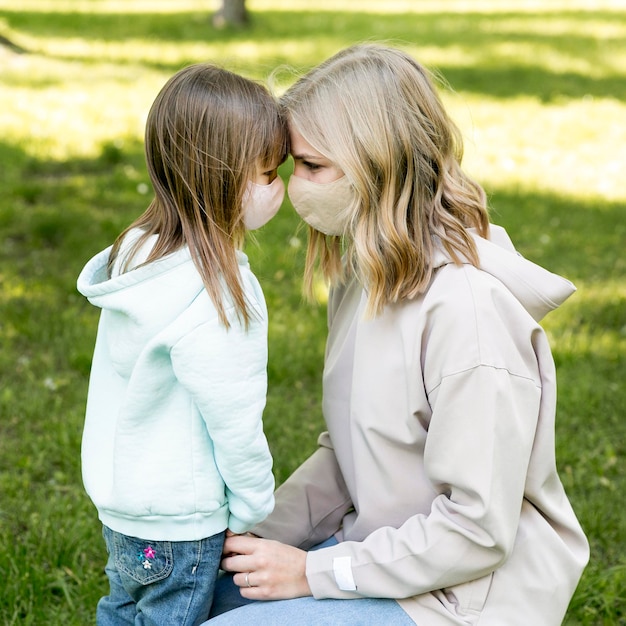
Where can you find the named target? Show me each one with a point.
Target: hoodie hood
(538, 290)
(141, 304)
(135, 293)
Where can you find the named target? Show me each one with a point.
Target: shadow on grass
(485, 40)
(579, 238)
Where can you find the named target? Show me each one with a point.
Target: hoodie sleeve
(225, 371)
(473, 522)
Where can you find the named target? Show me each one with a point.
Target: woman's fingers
(237, 563)
(240, 544)
(228, 549)
(239, 551)
(265, 569)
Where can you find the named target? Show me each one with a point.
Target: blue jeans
(159, 582)
(231, 609)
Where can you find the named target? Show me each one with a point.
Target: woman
(435, 487)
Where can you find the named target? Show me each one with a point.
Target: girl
(434, 491)
(173, 448)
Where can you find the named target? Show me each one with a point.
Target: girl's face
(309, 163)
(264, 175)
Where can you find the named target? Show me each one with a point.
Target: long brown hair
(206, 131)
(374, 112)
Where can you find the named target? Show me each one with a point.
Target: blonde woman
(433, 498)
(173, 448)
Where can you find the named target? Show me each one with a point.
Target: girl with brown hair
(173, 447)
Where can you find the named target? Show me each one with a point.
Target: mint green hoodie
(173, 445)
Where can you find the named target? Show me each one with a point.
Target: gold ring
(247, 581)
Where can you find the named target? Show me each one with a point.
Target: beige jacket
(438, 471)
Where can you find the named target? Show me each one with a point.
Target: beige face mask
(323, 206)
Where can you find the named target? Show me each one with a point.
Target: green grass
(540, 94)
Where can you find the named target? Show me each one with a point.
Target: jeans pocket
(142, 560)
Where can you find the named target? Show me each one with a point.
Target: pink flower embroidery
(149, 552)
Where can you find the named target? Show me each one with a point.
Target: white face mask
(261, 202)
(323, 206)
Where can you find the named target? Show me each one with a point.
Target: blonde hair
(374, 112)
(205, 134)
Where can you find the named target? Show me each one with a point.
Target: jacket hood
(142, 303)
(538, 290)
(137, 292)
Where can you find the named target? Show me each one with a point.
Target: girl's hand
(265, 569)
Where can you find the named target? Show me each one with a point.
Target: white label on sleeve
(342, 568)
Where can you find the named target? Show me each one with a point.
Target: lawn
(539, 91)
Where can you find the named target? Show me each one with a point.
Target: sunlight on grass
(556, 147)
(538, 55)
(254, 58)
(11, 290)
(386, 6)
(320, 291)
(524, 53)
(439, 6)
(109, 6)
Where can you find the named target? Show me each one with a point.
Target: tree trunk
(231, 13)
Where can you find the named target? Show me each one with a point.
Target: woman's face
(309, 163)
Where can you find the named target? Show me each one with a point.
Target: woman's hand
(265, 569)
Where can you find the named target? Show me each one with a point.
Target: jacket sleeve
(478, 461)
(311, 503)
(225, 372)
